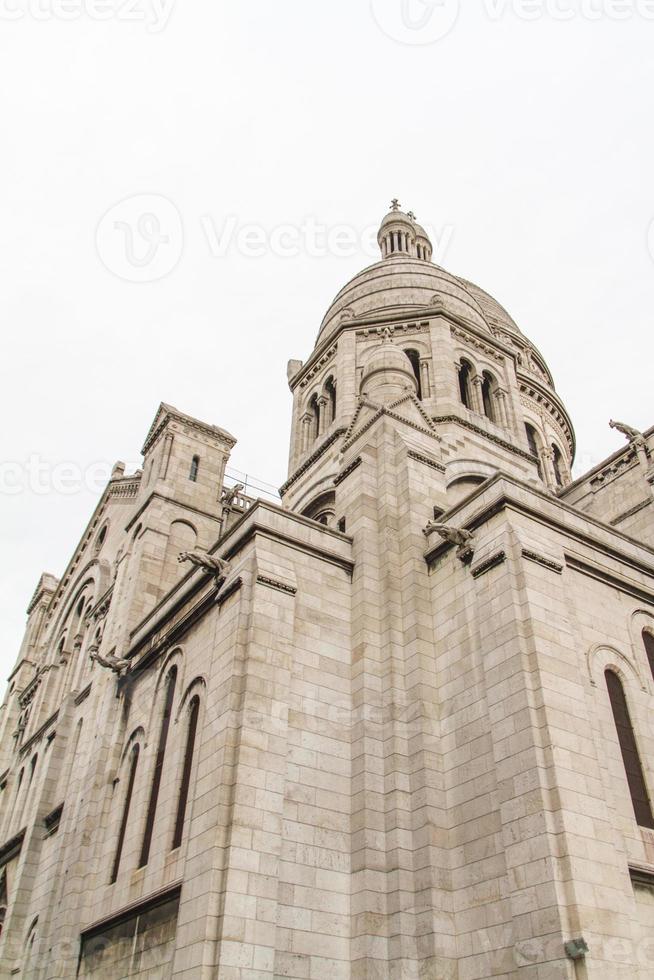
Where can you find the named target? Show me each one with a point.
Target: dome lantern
(401, 235)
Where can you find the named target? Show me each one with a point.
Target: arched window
(29, 960)
(323, 509)
(314, 411)
(195, 468)
(99, 541)
(134, 758)
(158, 766)
(648, 640)
(465, 373)
(487, 386)
(414, 357)
(330, 393)
(194, 711)
(532, 439)
(629, 750)
(557, 462)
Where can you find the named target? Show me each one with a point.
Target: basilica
(396, 725)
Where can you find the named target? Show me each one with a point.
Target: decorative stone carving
(229, 498)
(115, 664)
(464, 540)
(632, 435)
(210, 563)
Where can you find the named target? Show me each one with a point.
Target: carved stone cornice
(549, 563)
(531, 393)
(313, 458)
(488, 564)
(272, 583)
(306, 376)
(419, 458)
(466, 424)
(343, 475)
(167, 413)
(477, 343)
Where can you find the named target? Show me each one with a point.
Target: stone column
(502, 411)
(305, 433)
(322, 414)
(547, 465)
(424, 377)
(477, 399)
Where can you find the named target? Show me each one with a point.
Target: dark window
(158, 767)
(487, 396)
(126, 805)
(532, 439)
(414, 357)
(194, 711)
(195, 468)
(629, 749)
(330, 392)
(648, 640)
(465, 371)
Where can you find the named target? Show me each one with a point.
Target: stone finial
(118, 470)
(395, 204)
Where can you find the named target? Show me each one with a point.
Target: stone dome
(406, 282)
(403, 286)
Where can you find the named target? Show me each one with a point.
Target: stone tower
(398, 725)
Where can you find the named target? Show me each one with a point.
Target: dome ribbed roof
(404, 286)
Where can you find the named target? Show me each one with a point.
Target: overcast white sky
(526, 144)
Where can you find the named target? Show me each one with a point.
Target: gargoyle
(232, 494)
(210, 563)
(455, 535)
(633, 435)
(116, 664)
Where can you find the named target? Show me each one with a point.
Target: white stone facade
(365, 734)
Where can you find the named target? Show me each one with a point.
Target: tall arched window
(158, 766)
(648, 640)
(134, 758)
(314, 412)
(557, 462)
(193, 712)
(487, 386)
(465, 373)
(330, 393)
(414, 357)
(534, 448)
(195, 469)
(629, 750)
